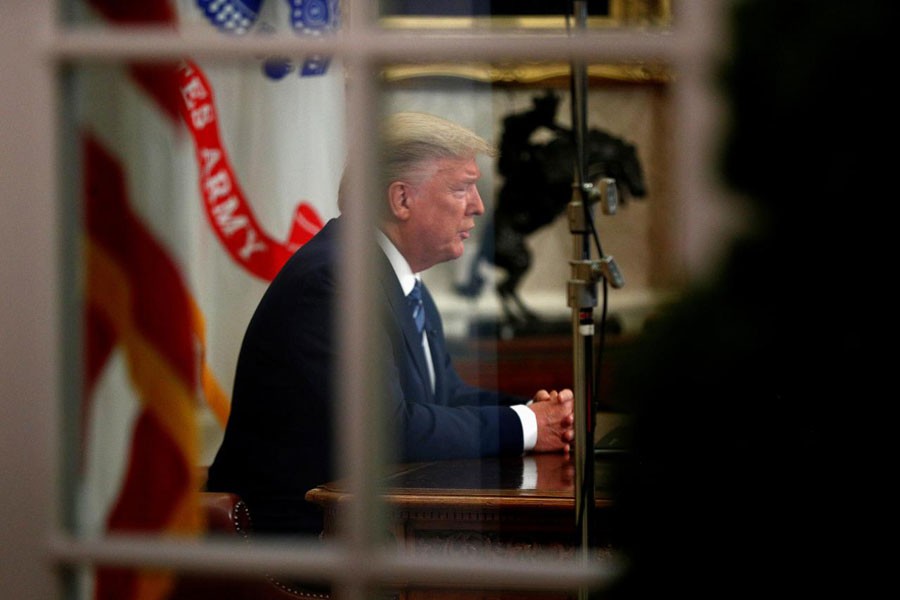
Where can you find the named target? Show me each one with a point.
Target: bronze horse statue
(537, 188)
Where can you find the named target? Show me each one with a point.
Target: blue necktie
(415, 304)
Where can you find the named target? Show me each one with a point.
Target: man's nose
(476, 206)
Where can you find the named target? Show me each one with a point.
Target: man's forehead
(463, 166)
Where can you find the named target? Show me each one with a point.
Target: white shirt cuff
(529, 426)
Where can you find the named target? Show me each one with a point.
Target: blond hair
(413, 140)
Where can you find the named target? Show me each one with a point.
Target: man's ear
(399, 199)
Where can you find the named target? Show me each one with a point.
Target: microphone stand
(582, 297)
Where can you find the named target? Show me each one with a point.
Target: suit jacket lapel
(398, 310)
(435, 344)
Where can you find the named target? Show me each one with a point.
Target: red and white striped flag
(199, 180)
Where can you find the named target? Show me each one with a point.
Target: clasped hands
(555, 412)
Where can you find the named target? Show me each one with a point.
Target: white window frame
(37, 549)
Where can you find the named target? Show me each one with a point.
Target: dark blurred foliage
(763, 398)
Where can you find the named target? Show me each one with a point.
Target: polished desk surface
(539, 480)
(536, 481)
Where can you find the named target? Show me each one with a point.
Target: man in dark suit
(278, 441)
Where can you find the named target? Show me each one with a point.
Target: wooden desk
(487, 507)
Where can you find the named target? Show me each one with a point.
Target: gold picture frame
(524, 74)
(618, 14)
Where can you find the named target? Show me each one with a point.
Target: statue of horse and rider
(537, 187)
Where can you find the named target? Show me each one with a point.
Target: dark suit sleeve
(430, 431)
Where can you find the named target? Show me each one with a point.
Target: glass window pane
(469, 505)
(504, 300)
(196, 182)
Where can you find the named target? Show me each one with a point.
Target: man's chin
(453, 254)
